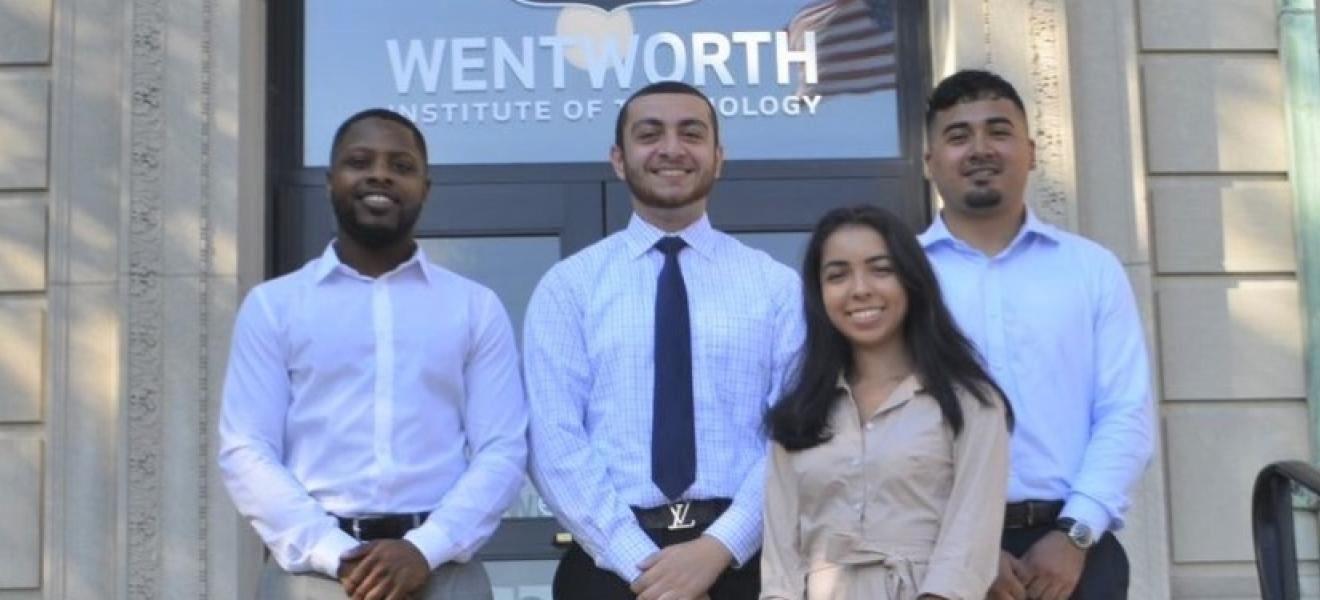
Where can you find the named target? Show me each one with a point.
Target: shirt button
(870, 426)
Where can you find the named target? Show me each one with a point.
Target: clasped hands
(383, 570)
(682, 571)
(1049, 570)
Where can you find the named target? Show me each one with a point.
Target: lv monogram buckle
(679, 512)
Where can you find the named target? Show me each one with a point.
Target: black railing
(1272, 526)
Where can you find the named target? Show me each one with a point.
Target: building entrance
(502, 216)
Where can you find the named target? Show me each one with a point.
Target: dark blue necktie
(673, 441)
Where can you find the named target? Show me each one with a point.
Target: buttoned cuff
(325, 554)
(1090, 513)
(739, 531)
(951, 579)
(434, 544)
(625, 551)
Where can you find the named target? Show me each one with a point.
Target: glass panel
(539, 81)
(510, 267)
(522, 579)
(787, 247)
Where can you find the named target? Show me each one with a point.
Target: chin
(983, 199)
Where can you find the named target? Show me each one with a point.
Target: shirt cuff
(625, 552)
(739, 531)
(950, 579)
(1090, 513)
(326, 553)
(433, 542)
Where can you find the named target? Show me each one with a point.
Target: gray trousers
(452, 581)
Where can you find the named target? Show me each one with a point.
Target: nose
(670, 145)
(859, 287)
(981, 145)
(380, 172)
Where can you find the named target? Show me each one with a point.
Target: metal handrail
(1272, 526)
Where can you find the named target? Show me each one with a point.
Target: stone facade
(131, 219)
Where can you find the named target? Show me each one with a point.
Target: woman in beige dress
(890, 452)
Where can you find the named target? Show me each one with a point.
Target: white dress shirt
(1056, 324)
(353, 396)
(589, 344)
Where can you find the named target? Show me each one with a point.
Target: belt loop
(416, 520)
(357, 529)
(1031, 514)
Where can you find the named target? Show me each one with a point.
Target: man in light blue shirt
(650, 359)
(1054, 318)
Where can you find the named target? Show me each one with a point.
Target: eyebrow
(968, 124)
(844, 263)
(685, 123)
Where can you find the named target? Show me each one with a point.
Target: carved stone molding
(1054, 186)
(206, 248)
(145, 328)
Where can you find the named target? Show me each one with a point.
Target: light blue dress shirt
(1057, 326)
(589, 366)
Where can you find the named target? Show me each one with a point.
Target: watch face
(1081, 535)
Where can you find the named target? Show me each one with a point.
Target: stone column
(149, 99)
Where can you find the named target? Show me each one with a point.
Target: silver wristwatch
(1078, 533)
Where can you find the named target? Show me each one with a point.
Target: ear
(719, 160)
(616, 160)
(925, 164)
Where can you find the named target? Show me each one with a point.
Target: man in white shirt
(1054, 319)
(373, 420)
(651, 358)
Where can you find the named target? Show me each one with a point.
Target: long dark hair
(942, 357)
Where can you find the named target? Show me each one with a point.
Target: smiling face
(860, 288)
(378, 183)
(669, 157)
(979, 156)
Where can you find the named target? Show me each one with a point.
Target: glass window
(539, 81)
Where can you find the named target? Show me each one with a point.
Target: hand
(682, 571)
(1008, 583)
(383, 570)
(1055, 566)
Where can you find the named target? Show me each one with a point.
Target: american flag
(856, 48)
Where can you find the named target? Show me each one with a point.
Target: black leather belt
(381, 527)
(1032, 513)
(682, 515)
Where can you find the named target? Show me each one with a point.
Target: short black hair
(970, 85)
(376, 113)
(664, 87)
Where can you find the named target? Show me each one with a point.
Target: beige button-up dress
(889, 508)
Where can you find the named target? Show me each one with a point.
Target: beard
(374, 236)
(979, 199)
(635, 176)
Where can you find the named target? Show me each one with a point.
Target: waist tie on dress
(900, 578)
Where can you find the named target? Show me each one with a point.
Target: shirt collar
(329, 263)
(642, 236)
(905, 391)
(938, 232)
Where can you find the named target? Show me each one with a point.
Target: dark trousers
(578, 577)
(1105, 575)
